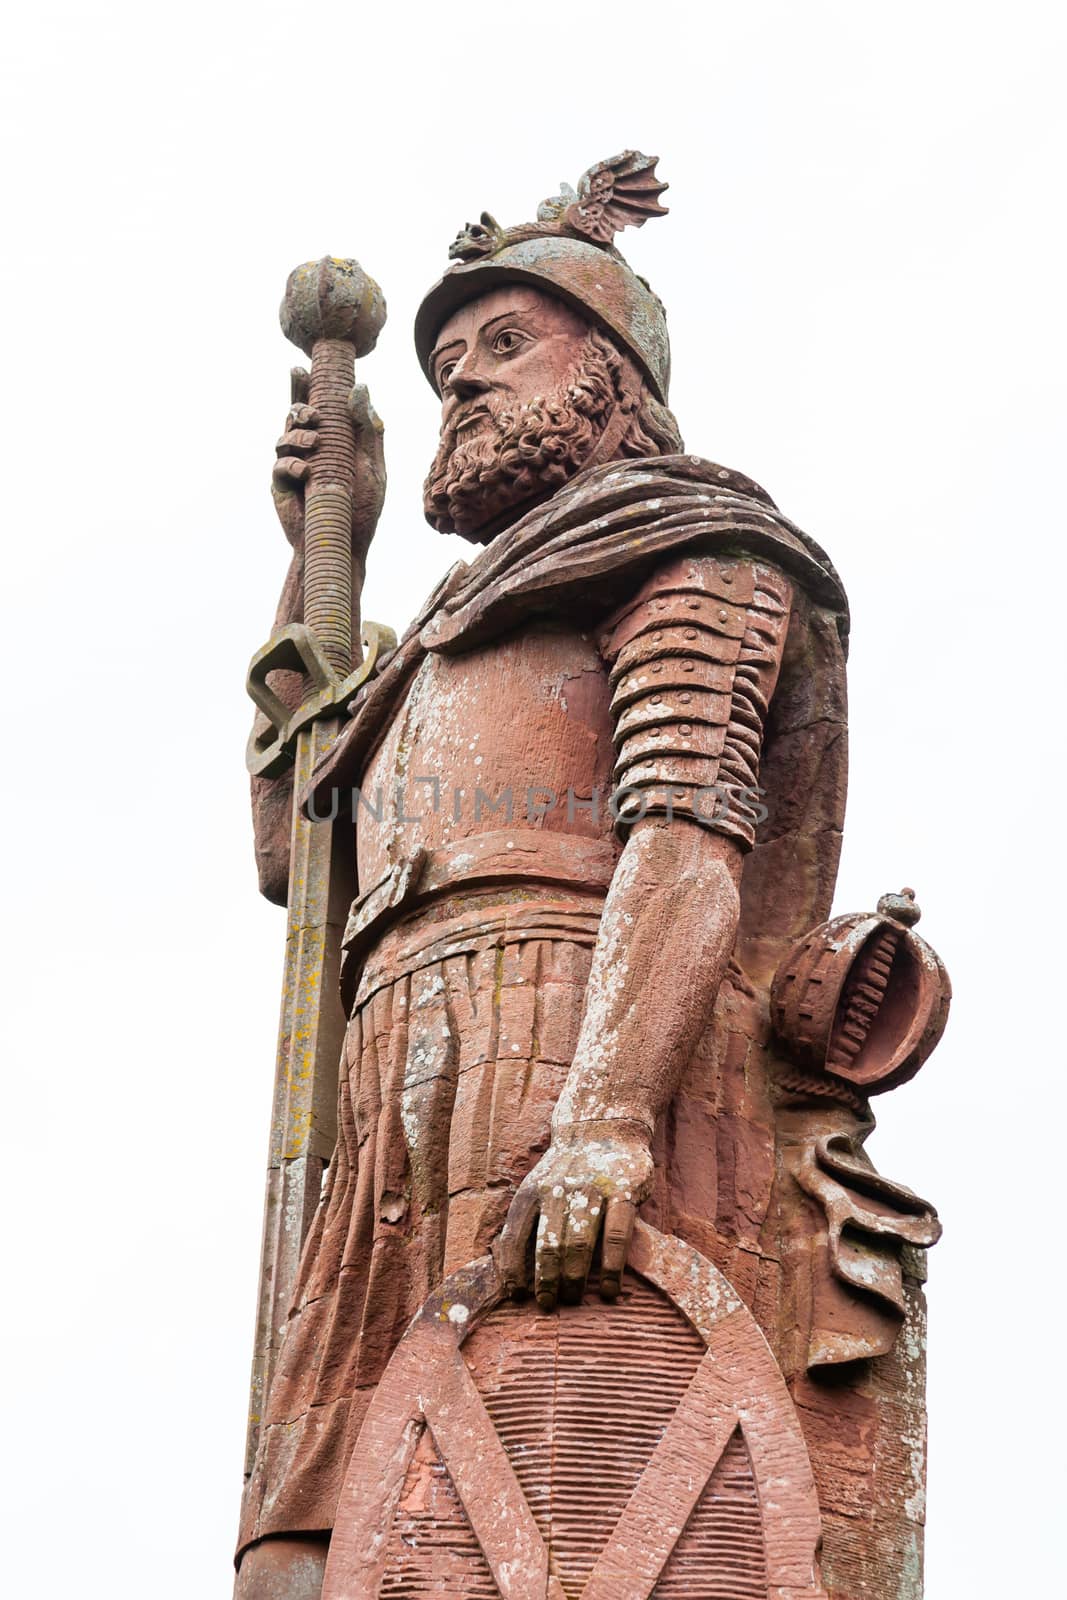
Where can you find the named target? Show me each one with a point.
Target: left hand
(593, 1175)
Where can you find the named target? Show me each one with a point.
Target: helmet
(568, 252)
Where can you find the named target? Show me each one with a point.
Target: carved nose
(466, 384)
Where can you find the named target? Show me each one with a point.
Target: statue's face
(525, 393)
(515, 343)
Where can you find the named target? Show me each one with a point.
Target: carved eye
(444, 373)
(508, 341)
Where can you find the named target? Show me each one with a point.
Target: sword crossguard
(294, 648)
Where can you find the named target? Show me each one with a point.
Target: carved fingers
(510, 1248)
(589, 1183)
(291, 467)
(551, 1230)
(368, 490)
(618, 1230)
(566, 1237)
(365, 419)
(299, 439)
(567, 1217)
(584, 1210)
(295, 451)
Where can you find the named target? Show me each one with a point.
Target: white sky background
(864, 273)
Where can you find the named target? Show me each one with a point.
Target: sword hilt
(334, 312)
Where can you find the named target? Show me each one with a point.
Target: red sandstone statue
(602, 1042)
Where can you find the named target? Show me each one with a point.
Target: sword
(334, 312)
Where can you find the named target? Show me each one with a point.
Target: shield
(642, 1450)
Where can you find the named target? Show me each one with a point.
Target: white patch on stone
(411, 1119)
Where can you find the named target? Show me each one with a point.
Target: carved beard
(516, 454)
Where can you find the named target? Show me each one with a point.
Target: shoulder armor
(693, 658)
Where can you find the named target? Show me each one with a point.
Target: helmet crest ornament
(621, 192)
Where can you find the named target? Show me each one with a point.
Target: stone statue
(603, 1295)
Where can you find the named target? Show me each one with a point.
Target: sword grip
(328, 505)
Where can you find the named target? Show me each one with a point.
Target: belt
(502, 858)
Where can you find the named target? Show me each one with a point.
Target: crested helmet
(569, 252)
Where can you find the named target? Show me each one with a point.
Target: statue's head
(549, 354)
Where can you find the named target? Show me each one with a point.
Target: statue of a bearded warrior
(603, 1295)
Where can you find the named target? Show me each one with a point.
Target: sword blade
(310, 1040)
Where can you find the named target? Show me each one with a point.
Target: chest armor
(516, 733)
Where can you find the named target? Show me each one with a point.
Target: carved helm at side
(863, 998)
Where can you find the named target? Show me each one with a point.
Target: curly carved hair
(654, 430)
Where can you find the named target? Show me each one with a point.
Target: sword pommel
(332, 299)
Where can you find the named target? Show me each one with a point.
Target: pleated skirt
(463, 1030)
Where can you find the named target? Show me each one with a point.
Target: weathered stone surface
(474, 1462)
(604, 1296)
